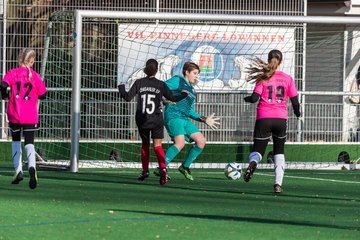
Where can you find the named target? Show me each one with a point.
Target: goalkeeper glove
(211, 121)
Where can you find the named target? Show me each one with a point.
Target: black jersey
(150, 93)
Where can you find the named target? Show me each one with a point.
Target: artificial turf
(112, 204)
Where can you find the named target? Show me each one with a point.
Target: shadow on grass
(242, 219)
(211, 185)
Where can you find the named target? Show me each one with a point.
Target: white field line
(289, 165)
(311, 178)
(262, 174)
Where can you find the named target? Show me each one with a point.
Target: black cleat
(157, 173)
(33, 178)
(277, 188)
(143, 175)
(17, 178)
(163, 176)
(250, 171)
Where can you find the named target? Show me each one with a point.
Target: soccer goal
(88, 53)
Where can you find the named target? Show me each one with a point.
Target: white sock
(279, 168)
(16, 155)
(30, 154)
(255, 157)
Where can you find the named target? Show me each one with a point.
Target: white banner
(221, 51)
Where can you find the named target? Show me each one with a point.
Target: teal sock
(193, 154)
(171, 154)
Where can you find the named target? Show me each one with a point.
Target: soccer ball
(233, 171)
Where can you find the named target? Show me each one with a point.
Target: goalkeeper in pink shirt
(24, 87)
(273, 88)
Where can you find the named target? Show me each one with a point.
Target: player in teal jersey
(177, 119)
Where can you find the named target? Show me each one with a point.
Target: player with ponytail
(25, 88)
(272, 89)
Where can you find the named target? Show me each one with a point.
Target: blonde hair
(24, 58)
(261, 71)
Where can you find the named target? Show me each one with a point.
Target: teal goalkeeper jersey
(185, 108)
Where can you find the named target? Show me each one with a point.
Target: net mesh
(115, 52)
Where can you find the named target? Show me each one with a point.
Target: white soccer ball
(233, 171)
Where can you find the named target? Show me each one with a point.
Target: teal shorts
(179, 126)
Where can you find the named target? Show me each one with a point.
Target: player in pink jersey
(273, 88)
(25, 88)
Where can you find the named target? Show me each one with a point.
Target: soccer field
(112, 204)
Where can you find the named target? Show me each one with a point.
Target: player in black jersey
(149, 115)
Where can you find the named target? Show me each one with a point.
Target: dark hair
(151, 67)
(275, 55)
(261, 71)
(189, 66)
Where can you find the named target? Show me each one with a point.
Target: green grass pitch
(112, 204)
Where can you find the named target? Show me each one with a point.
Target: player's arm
(253, 98)
(169, 95)
(41, 87)
(42, 96)
(4, 90)
(6, 83)
(131, 93)
(211, 120)
(296, 105)
(193, 114)
(293, 95)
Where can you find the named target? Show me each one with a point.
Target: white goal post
(149, 16)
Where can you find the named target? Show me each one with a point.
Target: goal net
(114, 49)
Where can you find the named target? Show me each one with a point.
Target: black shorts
(155, 133)
(16, 127)
(150, 125)
(267, 127)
